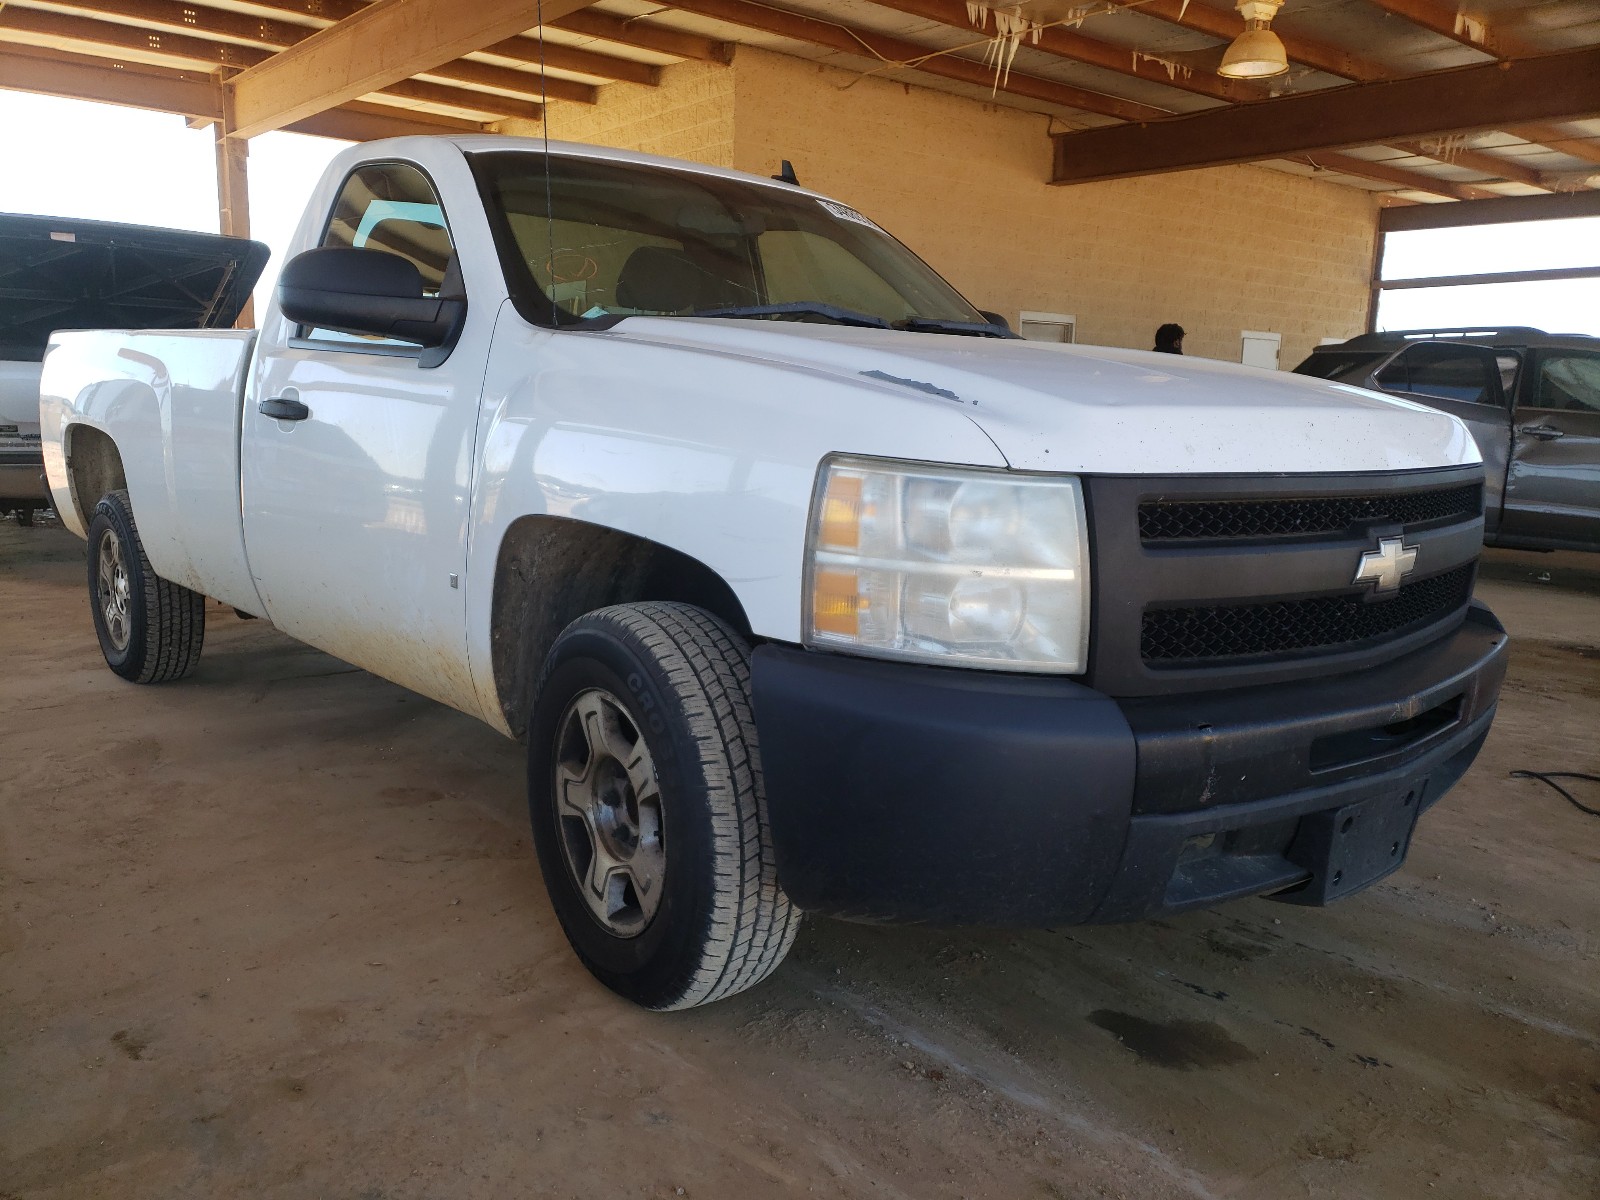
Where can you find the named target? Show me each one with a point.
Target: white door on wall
(1048, 327)
(1259, 349)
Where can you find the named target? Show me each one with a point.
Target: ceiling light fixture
(1257, 53)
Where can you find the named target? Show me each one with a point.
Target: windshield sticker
(845, 213)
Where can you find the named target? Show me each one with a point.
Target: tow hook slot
(1379, 741)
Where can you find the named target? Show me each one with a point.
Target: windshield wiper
(849, 316)
(967, 328)
(816, 308)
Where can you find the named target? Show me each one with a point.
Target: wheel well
(552, 570)
(94, 467)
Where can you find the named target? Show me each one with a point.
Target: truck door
(1465, 381)
(1553, 489)
(355, 515)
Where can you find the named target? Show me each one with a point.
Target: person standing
(1169, 339)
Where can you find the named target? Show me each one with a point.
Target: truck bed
(171, 403)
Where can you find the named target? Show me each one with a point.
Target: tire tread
(174, 616)
(707, 665)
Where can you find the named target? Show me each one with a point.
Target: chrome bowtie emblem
(1386, 566)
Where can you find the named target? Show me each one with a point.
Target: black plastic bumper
(911, 793)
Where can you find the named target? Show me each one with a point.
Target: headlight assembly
(949, 565)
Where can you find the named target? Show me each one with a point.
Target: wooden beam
(1476, 160)
(864, 43)
(558, 58)
(1501, 211)
(360, 121)
(177, 17)
(569, 58)
(1577, 145)
(1411, 181)
(525, 84)
(382, 44)
(195, 96)
(645, 36)
(1556, 87)
(233, 183)
(1227, 25)
(186, 21)
(83, 77)
(233, 195)
(1458, 23)
(1060, 42)
(91, 32)
(181, 46)
(499, 107)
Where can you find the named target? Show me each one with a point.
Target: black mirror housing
(995, 318)
(362, 291)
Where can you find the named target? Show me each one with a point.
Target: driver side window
(390, 207)
(1568, 380)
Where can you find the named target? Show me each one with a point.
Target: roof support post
(233, 188)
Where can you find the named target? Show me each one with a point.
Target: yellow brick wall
(690, 115)
(963, 185)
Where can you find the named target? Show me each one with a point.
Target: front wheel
(645, 792)
(151, 630)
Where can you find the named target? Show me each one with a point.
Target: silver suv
(1532, 401)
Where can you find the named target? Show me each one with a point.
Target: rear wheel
(648, 810)
(150, 629)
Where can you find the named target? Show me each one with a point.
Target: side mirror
(367, 291)
(995, 318)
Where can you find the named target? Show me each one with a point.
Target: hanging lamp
(1257, 53)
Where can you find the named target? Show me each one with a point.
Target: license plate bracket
(1349, 848)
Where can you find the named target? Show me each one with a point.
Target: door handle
(284, 408)
(1545, 433)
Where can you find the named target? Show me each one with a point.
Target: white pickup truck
(809, 586)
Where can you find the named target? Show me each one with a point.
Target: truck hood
(66, 273)
(1097, 410)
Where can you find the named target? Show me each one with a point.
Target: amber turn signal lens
(835, 603)
(841, 513)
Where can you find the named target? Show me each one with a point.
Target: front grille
(1228, 520)
(1187, 637)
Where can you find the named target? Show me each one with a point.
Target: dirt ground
(276, 931)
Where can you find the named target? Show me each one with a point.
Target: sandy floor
(277, 931)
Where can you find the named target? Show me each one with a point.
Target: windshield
(623, 239)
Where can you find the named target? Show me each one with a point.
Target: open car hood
(66, 273)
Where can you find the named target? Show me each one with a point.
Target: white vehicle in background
(66, 273)
(810, 587)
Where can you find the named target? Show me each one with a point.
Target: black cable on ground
(1550, 777)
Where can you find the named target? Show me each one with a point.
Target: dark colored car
(70, 273)
(1532, 401)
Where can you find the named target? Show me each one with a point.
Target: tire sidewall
(655, 966)
(109, 516)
